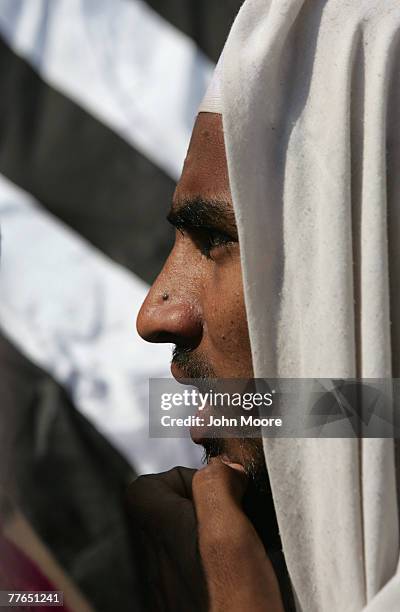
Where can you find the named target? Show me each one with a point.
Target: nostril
(162, 337)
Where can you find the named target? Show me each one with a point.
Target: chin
(245, 451)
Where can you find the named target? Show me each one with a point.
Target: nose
(170, 313)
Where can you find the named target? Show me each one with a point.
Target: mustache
(191, 364)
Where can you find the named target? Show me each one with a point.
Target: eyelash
(208, 239)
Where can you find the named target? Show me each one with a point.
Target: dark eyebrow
(198, 213)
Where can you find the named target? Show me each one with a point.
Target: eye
(209, 239)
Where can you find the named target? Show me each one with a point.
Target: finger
(232, 553)
(172, 485)
(165, 539)
(217, 492)
(235, 466)
(161, 506)
(221, 479)
(163, 501)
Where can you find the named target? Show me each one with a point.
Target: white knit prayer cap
(212, 101)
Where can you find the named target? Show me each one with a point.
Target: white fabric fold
(310, 99)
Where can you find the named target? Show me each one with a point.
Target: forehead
(205, 170)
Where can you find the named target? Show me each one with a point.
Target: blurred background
(98, 99)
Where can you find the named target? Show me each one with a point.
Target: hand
(238, 571)
(173, 513)
(164, 529)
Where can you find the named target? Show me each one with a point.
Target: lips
(197, 432)
(201, 431)
(177, 372)
(204, 424)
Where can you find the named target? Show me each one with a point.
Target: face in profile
(197, 301)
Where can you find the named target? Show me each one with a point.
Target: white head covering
(311, 112)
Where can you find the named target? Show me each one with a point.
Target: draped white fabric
(311, 96)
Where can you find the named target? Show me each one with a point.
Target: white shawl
(311, 113)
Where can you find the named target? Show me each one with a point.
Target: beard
(247, 451)
(257, 502)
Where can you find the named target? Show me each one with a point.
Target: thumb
(238, 572)
(218, 490)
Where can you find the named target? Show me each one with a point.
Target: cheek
(225, 314)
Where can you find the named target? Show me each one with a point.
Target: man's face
(197, 301)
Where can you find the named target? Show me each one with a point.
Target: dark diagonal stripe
(81, 170)
(207, 22)
(67, 480)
